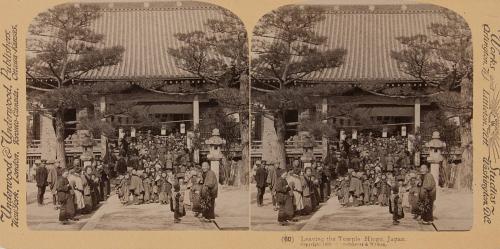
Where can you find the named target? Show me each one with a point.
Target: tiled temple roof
(146, 31)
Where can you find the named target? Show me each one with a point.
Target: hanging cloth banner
(342, 135)
(121, 134)
(132, 132)
(183, 128)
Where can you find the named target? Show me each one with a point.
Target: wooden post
(196, 122)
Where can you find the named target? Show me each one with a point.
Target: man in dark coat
(41, 181)
(210, 189)
(427, 195)
(261, 181)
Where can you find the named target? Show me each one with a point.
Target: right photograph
(361, 118)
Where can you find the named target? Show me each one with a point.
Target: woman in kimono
(297, 188)
(284, 197)
(87, 190)
(315, 196)
(307, 191)
(65, 197)
(76, 184)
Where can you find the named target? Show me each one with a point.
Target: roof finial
(371, 7)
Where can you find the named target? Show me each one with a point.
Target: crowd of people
(147, 169)
(362, 171)
(75, 190)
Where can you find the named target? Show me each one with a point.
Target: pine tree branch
(179, 93)
(403, 96)
(262, 90)
(39, 88)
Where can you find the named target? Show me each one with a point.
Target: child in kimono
(155, 177)
(196, 195)
(395, 204)
(124, 187)
(165, 187)
(148, 188)
(373, 190)
(383, 190)
(178, 200)
(413, 196)
(344, 191)
(366, 190)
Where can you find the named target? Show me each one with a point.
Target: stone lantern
(435, 157)
(87, 144)
(307, 149)
(215, 143)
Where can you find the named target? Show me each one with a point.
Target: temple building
(146, 32)
(368, 33)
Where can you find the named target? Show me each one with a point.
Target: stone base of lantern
(214, 166)
(434, 170)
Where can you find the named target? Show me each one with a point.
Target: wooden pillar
(102, 109)
(324, 112)
(196, 122)
(416, 119)
(416, 116)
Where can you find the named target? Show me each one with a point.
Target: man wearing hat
(53, 174)
(41, 181)
(260, 181)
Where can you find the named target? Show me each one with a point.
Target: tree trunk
(464, 174)
(59, 130)
(280, 128)
(464, 170)
(245, 149)
(244, 130)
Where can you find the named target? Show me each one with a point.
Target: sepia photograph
(361, 118)
(137, 117)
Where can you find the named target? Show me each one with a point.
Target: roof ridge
(381, 8)
(161, 8)
(152, 6)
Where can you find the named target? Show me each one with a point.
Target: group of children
(379, 172)
(397, 190)
(163, 187)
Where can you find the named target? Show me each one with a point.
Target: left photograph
(137, 117)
